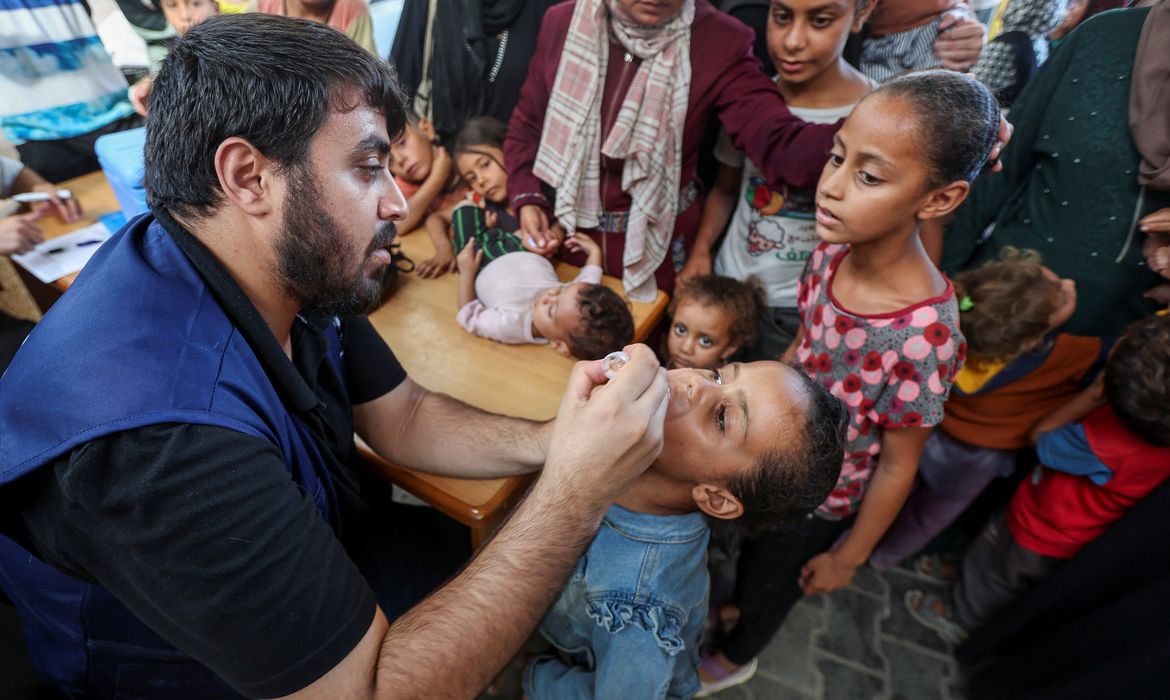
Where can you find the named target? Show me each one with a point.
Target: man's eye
(721, 417)
(718, 376)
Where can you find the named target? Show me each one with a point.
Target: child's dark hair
(742, 301)
(1005, 305)
(790, 482)
(606, 323)
(479, 131)
(1137, 379)
(959, 121)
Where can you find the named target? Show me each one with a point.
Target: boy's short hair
(409, 116)
(606, 323)
(1137, 379)
(789, 482)
(741, 300)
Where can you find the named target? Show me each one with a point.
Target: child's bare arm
(583, 243)
(789, 356)
(717, 210)
(443, 260)
(420, 201)
(887, 492)
(468, 261)
(1077, 408)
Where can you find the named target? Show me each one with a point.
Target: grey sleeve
(9, 169)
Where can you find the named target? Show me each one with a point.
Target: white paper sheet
(63, 255)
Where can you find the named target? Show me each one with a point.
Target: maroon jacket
(726, 79)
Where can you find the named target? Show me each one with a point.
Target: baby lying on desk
(758, 445)
(517, 298)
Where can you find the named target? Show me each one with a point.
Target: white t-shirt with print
(771, 234)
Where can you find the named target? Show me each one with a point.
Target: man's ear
(245, 176)
(944, 200)
(717, 501)
(560, 346)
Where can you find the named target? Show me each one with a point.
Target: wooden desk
(527, 381)
(418, 322)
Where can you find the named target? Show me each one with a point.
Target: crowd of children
(833, 393)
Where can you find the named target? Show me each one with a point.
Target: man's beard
(313, 257)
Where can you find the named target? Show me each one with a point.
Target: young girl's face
(1068, 297)
(413, 154)
(807, 36)
(721, 422)
(875, 183)
(482, 170)
(700, 336)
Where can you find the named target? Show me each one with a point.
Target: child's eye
(782, 16)
(706, 341)
(866, 178)
(836, 159)
(822, 22)
(680, 329)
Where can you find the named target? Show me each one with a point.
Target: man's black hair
(790, 482)
(267, 79)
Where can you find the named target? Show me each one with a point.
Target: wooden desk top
(97, 199)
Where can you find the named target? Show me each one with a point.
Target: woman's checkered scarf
(647, 134)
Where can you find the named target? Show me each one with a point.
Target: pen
(82, 244)
(29, 197)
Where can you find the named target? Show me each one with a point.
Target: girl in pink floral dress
(879, 329)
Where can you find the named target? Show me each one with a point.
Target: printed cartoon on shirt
(782, 224)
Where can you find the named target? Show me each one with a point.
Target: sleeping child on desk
(755, 444)
(517, 297)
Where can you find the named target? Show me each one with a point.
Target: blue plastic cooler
(121, 157)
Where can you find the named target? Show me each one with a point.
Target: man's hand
(603, 440)
(698, 263)
(140, 93)
(469, 259)
(436, 266)
(18, 234)
(535, 233)
(68, 209)
(824, 573)
(960, 40)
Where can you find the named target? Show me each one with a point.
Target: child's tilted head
(479, 157)
(1137, 379)
(711, 318)
(761, 442)
(587, 321)
(413, 153)
(907, 153)
(1007, 306)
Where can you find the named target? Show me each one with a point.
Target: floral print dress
(891, 370)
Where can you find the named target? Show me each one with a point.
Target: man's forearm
(441, 435)
(454, 642)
